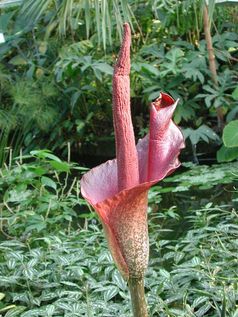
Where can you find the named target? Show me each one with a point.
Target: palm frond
(7, 120)
(9, 3)
(32, 10)
(101, 17)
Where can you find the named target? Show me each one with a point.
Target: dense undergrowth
(54, 260)
(56, 63)
(55, 90)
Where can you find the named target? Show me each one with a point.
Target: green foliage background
(56, 71)
(55, 92)
(54, 260)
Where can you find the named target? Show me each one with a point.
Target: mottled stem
(127, 160)
(139, 307)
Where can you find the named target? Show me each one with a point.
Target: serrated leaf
(202, 133)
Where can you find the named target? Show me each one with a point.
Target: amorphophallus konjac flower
(118, 189)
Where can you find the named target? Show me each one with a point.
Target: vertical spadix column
(127, 160)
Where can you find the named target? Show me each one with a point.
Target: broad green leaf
(17, 196)
(45, 154)
(97, 73)
(164, 273)
(118, 280)
(43, 47)
(28, 273)
(38, 170)
(33, 313)
(226, 154)
(203, 310)
(18, 60)
(5, 19)
(104, 68)
(150, 69)
(46, 181)
(50, 310)
(11, 264)
(230, 134)
(235, 93)
(110, 293)
(7, 308)
(60, 166)
(232, 114)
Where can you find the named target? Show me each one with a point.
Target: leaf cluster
(39, 195)
(69, 48)
(64, 267)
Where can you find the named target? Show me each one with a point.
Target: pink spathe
(118, 188)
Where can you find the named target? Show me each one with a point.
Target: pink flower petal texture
(118, 189)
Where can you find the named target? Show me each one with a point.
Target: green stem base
(136, 287)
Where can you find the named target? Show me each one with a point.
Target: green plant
(28, 108)
(37, 195)
(169, 53)
(71, 16)
(229, 150)
(197, 280)
(58, 272)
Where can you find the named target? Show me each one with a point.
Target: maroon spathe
(118, 188)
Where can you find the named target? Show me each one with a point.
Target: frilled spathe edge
(157, 155)
(112, 197)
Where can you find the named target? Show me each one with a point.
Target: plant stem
(210, 49)
(139, 307)
(212, 61)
